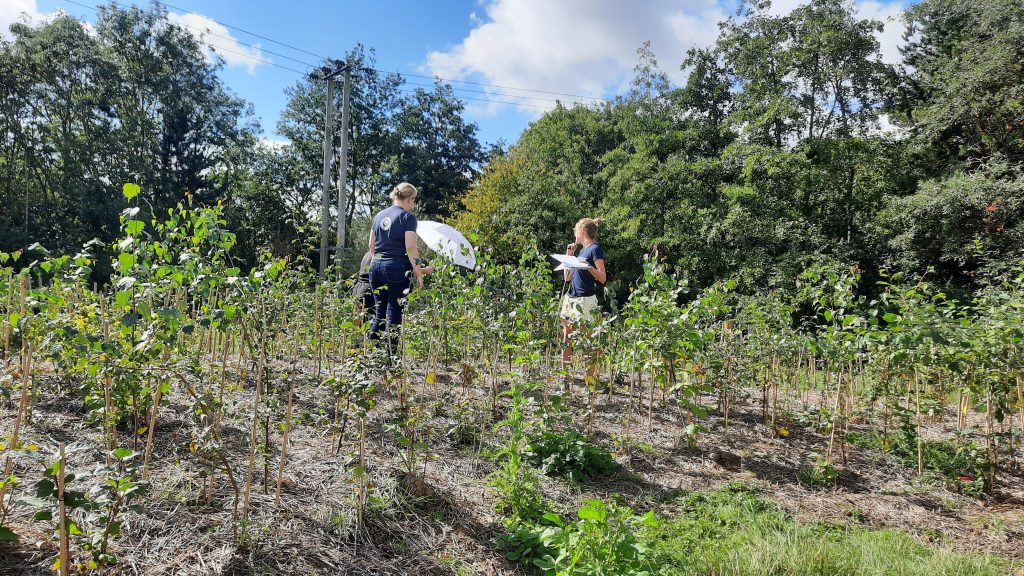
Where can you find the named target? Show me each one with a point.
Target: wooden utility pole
(328, 156)
(343, 165)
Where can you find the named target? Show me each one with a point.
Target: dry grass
(450, 527)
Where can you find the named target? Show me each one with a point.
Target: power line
(492, 99)
(500, 95)
(228, 50)
(279, 43)
(499, 87)
(297, 49)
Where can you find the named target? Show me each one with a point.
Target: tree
(536, 192)
(438, 150)
(422, 139)
(814, 73)
(959, 225)
(136, 101)
(967, 66)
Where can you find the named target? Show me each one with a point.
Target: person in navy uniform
(394, 256)
(579, 306)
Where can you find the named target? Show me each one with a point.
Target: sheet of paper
(567, 261)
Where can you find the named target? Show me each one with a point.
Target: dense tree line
(137, 98)
(84, 110)
(790, 142)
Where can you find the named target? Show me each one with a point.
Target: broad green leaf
(588, 512)
(130, 191)
(134, 227)
(125, 261)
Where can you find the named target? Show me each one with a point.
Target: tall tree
(420, 138)
(137, 100)
(813, 73)
(967, 78)
(438, 149)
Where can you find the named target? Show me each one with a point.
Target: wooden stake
(108, 414)
(255, 420)
(219, 410)
(152, 419)
(287, 417)
(920, 441)
(64, 553)
(26, 368)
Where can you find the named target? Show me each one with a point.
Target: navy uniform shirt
(389, 228)
(583, 283)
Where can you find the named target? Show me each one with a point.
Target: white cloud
(783, 7)
(274, 144)
(588, 47)
(584, 47)
(220, 40)
(12, 11)
(25, 11)
(891, 36)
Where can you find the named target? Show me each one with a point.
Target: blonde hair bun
(589, 226)
(403, 191)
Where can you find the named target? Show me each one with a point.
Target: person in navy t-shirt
(580, 304)
(394, 254)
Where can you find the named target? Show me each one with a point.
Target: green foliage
(960, 463)
(732, 530)
(960, 224)
(735, 531)
(772, 155)
(606, 540)
(968, 61)
(133, 97)
(818, 473)
(104, 505)
(568, 453)
(515, 483)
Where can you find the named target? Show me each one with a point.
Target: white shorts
(580, 309)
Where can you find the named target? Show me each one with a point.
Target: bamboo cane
(64, 553)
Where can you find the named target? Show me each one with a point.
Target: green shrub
(606, 540)
(568, 454)
(818, 473)
(961, 463)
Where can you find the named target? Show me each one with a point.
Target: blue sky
(572, 50)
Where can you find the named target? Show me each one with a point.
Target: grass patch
(733, 531)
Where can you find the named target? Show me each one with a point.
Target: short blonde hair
(589, 226)
(403, 191)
